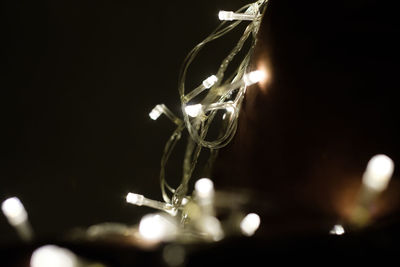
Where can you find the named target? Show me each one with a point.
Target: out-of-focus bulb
(156, 112)
(250, 224)
(210, 81)
(378, 173)
(337, 230)
(14, 211)
(254, 77)
(194, 110)
(212, 226)
(204, 188)
(53, 256)
(135, 199)
(157, 228)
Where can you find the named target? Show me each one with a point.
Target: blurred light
(250, 224)
(53, 256)
(194, 110)
(14, 211)
(378, 173)
(156, 112)
(174, 255)
(157, 227)
(337, 230)
(254, 77)
(204, 188)
(210, 81)
(212, 226)
(135, 199)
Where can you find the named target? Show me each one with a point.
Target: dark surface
(331, 103)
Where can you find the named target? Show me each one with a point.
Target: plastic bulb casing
(230, 15)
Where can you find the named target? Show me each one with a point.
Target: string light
(378, 173)
(230, 15)
(140, 200)
(194, 110)
(157, 228)
(196, 213)
(375, 180)
(250, 224)
(17, 216)
(337, 230)
(53, 256)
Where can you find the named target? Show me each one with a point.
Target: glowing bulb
(204, 188)
(157, 227)
(14, 211)
(378, 173)
(250, 224)
(254, 77)
(212, 226)
(210, 81)
(337, 230)
(230, 15)
(194, 110)
(135, 199)
(156, 112)
(53, 256)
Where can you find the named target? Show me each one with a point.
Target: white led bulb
(14, 211)
(378, 173)
(135, 199)
(156, 112)
(53, 256)
(254, 77)
(230, 15)
(250, 224)
(194, 110)
(210, 81)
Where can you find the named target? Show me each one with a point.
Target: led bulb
(378, 173)
(254, 77)
(157, 227)
(210, 81)
(250, 224)
(337, 230)
(212, 226)
(135, 199)
(204, 188)
(194, 110)
(53, 256)
(155, 112)
(225, 15)
(229, 15)
(14, 211)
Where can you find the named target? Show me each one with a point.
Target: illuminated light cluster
(378, 173)
(230, 15)
(157, 228)
(337, 230)
(53, 256)
(250, 224)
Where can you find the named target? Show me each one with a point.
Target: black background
(77, 83)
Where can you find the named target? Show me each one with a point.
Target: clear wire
(218, 98)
